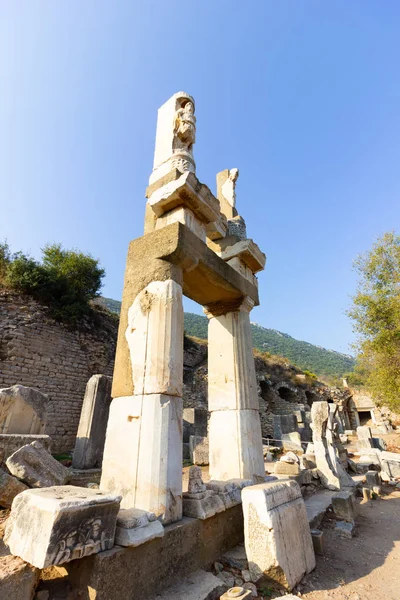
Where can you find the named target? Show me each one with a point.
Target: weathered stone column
(143, 450)
(235, 429)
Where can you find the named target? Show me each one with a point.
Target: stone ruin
(194, 244)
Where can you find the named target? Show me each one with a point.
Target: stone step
(316, 507)
(200, 585)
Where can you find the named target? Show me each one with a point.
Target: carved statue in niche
(185, 128)
(229, 187)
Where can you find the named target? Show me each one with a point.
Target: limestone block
(22, 410)
(235, 444)
(277, 535)
(292, 441)
(345, 529)
(36, 467)
(232, 380)
(217, 229)
(243, 269)
(284, 468)
(65, 522)
(373, 478)
(185, 216)
(188, 192)
(143, 454)
(364, 432)
(199, 450)
(318, 541)
(248, 252)
(390, 463)
(135, 527)
(18, 579)
(9, 488)
(89, 445)
(344, 506)
(11, 442)
(229, 492)
(155, 339)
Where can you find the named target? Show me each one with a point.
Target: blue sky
(302, 96)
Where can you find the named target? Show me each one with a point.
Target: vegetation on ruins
(66, 280)
(376, 316)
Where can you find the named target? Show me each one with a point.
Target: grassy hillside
(302, 354)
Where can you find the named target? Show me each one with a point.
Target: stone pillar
(89, 444)
(143, 451)
(234, 428)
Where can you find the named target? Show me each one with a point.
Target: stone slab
(277, 535)
(9, 488)
(65, 523)
(391, 463)
(200, 585)
(187, 545)
(18, 579)
(135, 527)
(199, 450)
(89, 444)
(36, 467)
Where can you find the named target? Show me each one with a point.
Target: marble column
(143, 450)
(234, 429)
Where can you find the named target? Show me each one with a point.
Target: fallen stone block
(36, 467)
(18, 579)
(345, 529)
(344, 506)
(391, 463)
(200, 585)
(9, 488)
(65, 522)
(11, 442)
(277, 535)
(135, 527)
(284, 468)
(292, 441)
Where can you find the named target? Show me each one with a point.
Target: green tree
(376, 315)
(66, 280)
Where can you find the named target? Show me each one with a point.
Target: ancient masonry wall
(39, 352)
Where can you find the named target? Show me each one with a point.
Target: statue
(229, 187)
(185, 128)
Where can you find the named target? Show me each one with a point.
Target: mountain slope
(303, 354)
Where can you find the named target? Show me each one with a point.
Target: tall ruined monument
(194, 245)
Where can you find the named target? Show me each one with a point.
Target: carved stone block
(36, 467)
(55, 525)
(135, 527)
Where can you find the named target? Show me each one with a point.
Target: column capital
(216, 309)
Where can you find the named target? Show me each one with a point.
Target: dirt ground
(366, 567)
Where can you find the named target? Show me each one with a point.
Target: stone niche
(22, 410)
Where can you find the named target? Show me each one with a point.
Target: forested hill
(304, 355)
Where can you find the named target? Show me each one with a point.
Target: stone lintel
(173, 252)
(247, 250)
(189, 192)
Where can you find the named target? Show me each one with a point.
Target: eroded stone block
(135, 527)
(344, 506)
(18, 580)
(199, 450)
(54, 525)
(277, 535)
(284, 468)
(36, 467)
(200, 502)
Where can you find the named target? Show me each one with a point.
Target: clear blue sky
(302, 96)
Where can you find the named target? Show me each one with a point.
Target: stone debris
(36, 467)
(65, 523)
(200, 502)
(227, 578)
(135, 527)
(200, 585)
(237, 592)
(11, 442)
(344, 506)
(277, 535)
(18, 579)
(9, 488)
(89, 444)
(345, 529)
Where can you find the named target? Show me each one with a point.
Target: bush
(66, 280)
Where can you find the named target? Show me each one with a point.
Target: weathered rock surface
(9, 488)
(54, 525)
(36, 467)
(18, 580)
(277, 535)
(135, 526)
